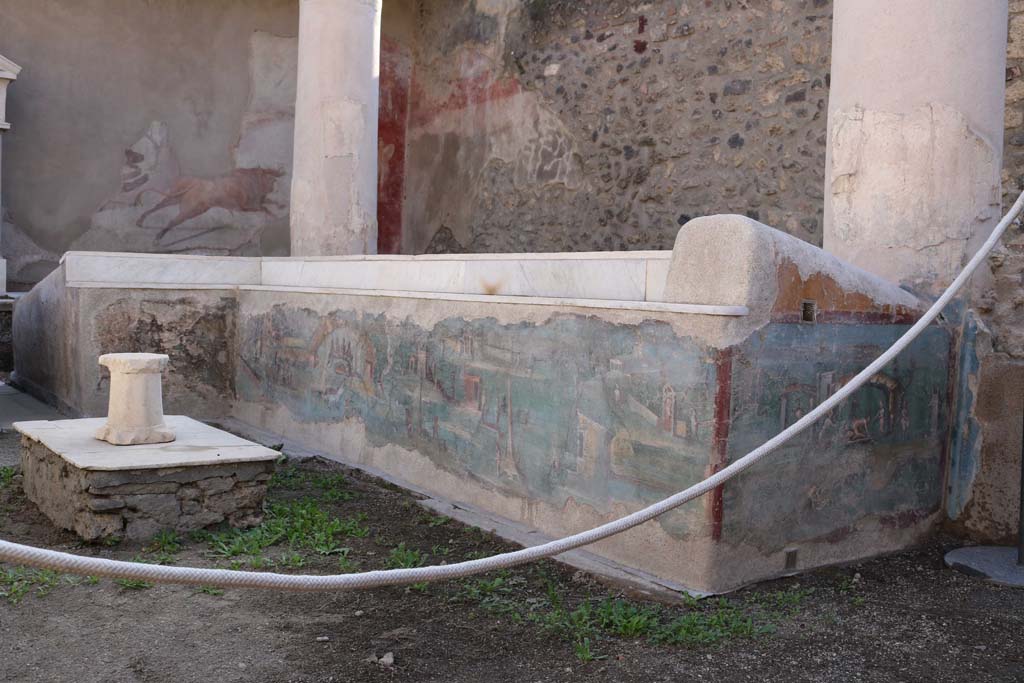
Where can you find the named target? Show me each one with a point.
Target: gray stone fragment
(135, 488)
(104, 504)
(215, 485)
(142, 529)
(162, 507)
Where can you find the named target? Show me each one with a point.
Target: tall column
(334, 172)
(8, 72)
(915, 134)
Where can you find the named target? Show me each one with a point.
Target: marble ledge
(196, 444)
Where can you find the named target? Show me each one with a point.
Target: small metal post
(1020, 526)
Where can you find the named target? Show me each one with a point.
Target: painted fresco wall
(556, 419)
(579, 411)
(166, 127)
(127, 105)
(877, 459)
(571, 408)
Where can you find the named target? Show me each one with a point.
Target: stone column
(8, 72)
(915, 134)
(334, 173)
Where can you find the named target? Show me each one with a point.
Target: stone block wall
(984, 502)
(138, 504)
(588, 125)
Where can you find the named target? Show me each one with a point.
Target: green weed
(167, 541)
(626, 619)
(16, 583)
(333, 487)
(133, 584)
(404, 558)
(292, 560)
(435, 520)
(6, 476)
(346, 565)
(709, 627)
(303, 525)
(584, 652)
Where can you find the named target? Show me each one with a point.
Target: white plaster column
(8, 72)
(334, 173)
(136, 410)
(915, 134)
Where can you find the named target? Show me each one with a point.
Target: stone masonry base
(138, 504)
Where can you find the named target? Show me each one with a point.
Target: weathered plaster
(910, 192)
(102, 73)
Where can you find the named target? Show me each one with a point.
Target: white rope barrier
(223, 578)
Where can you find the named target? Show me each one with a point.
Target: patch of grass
(292, 560)
(584, 652)
(16, 583)
(353, 527)
(778, 605)
(303, 525)
(333, 487)
(287, 478)
(574, 625)
(435, 520)
(346, 565)
(724, 621)
(6, 476)
(167, 541)
(626, 619)
(482, 589)
(401, 557)
(496, 594)
(133, 584)
(260, 562)
(159, 558)
(200, 535)
(210, 590)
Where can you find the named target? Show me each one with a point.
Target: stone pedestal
(135, 414)
(334, 170)
(99, 490)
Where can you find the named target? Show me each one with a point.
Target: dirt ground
(899, 618)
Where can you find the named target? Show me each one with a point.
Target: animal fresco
(243, 189)
(572, 407)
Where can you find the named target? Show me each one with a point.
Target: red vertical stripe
(720, 441)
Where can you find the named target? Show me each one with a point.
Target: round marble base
(998, 564)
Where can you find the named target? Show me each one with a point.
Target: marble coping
(195, 444)
(619, 276)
